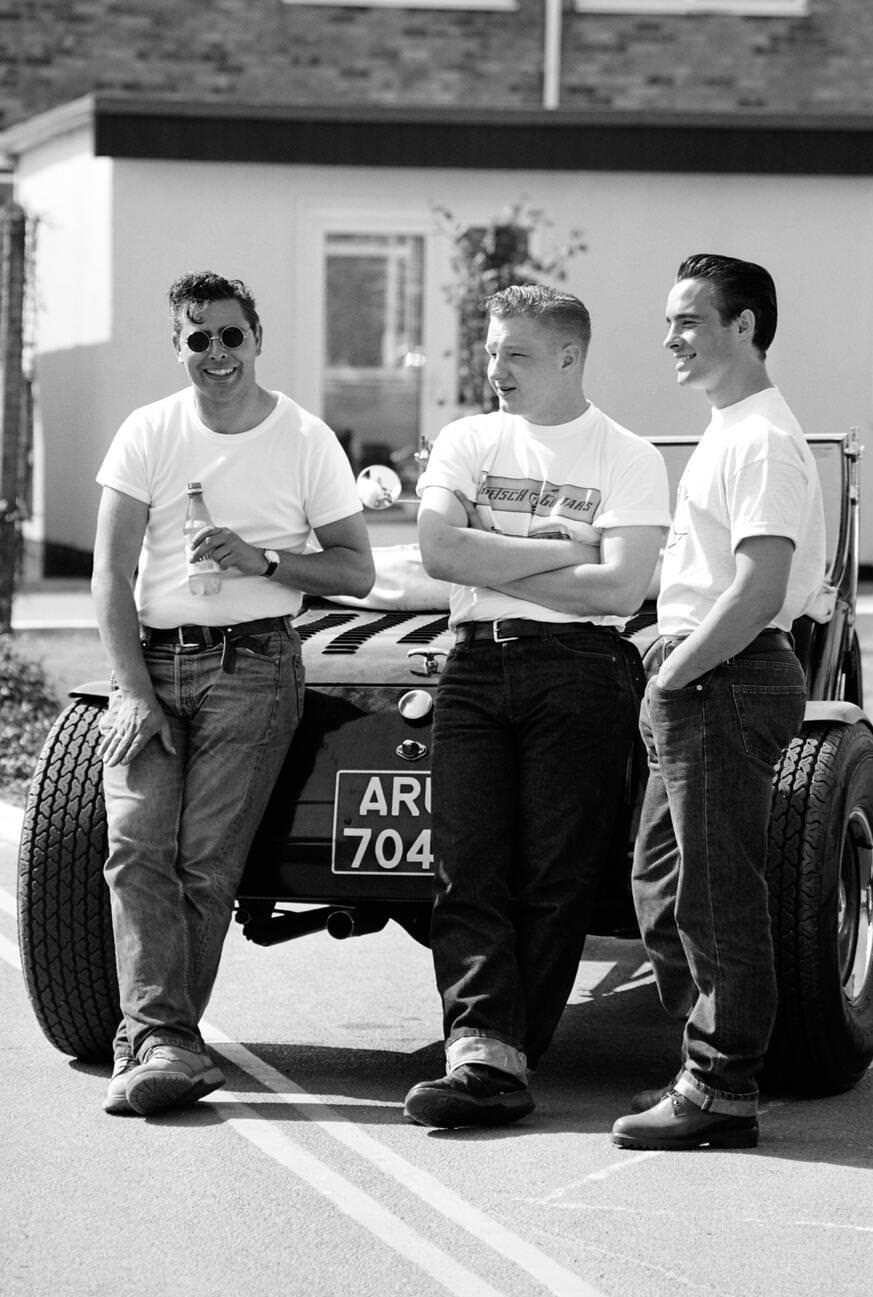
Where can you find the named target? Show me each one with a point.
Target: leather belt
(771, 640)
(194, 639)
(507, 629)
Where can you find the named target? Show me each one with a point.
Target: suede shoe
(472, 1095)
(115, 1100)
(171, 1077)
(677, 1123)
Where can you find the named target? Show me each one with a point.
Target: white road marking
(592, 980)
(615, 1168)
(383, 1224)
(554, 1198)
(10, 822)
(10, 831)
(828, 1224)
(638, 980)
(552, 1276)
(438, 1264)
(352, 1201)
(590, 975)
(9, 952)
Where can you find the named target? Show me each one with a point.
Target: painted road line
(554, 1199)
(545, 1271)
(615, 1168)
(10, 823)
(9, 952)
(351, 1201)
(383, 1224)
(552, 1276)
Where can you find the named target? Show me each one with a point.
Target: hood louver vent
(355, 629)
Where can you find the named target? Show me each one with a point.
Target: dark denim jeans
(180, 827)
(699, 870)
(532, 745)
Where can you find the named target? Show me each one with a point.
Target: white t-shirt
(271, 485)
(752, 474)
(575, 480)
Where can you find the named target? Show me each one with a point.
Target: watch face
(271, 556)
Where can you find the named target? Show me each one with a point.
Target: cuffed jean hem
(731, 1105)
(473, 1047)
(193, 1043)
(155, 1035)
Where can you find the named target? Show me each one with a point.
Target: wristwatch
(272, 560)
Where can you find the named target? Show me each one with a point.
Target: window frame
(315, 217)
(698, 8)
(494, 5)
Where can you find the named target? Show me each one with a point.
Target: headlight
(415, 704)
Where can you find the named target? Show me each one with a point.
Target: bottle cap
(194, 486)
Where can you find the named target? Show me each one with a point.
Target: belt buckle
(497, 637)
(184, 643)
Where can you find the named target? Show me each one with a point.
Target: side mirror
(378, 487)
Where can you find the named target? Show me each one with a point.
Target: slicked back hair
(738, 286)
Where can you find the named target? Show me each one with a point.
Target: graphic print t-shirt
(572, 480)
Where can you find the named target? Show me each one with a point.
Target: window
(411, 4)
(748, 8)
(373, 354)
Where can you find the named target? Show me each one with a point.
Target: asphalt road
(303, 1178)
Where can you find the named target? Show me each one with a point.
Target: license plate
(381, 823)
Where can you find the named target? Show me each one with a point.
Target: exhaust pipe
(285, 927)
(342, 924)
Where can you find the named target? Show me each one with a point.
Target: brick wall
(264, 51)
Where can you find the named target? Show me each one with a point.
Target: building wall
(52, 51)
(70, 193)
(262, 222)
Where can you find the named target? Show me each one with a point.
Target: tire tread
(65, 928)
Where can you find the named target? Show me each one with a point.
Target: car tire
(64, 924)
(820, 875)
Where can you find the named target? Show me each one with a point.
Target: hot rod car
(345, 844)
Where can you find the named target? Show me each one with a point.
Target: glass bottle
(204, 575)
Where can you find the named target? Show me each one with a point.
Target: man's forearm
(338, 570)
(481, 558)
(742, 611)
(118, 624)
(586, 590)
(729, 626)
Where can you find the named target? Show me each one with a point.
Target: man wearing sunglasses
(207, 690)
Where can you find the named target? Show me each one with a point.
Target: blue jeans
(180, 826)
(533, 741)
(699, 875)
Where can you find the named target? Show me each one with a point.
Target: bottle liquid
(204, 575)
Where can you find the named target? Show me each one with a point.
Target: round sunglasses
(230, 337)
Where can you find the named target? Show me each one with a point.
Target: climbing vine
(484, 260)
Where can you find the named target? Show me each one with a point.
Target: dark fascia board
(126, 127)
